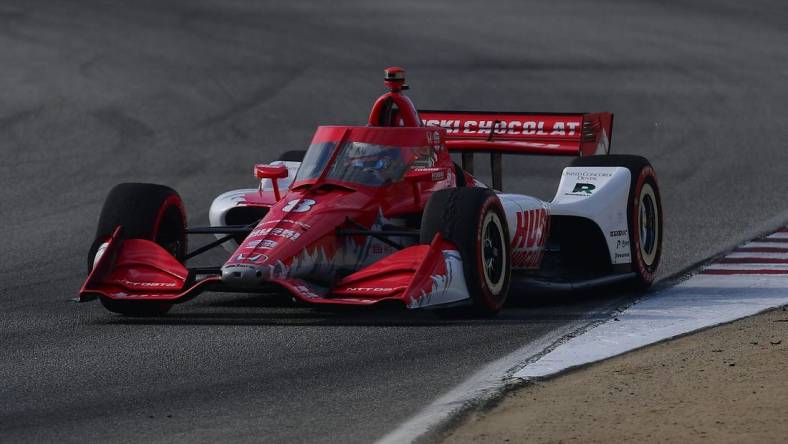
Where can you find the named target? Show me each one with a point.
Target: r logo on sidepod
(584, 188)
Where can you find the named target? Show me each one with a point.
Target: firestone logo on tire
(126, 282)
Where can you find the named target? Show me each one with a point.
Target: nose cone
(244, 275)
(297, 238)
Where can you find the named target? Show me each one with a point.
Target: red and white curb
(749, 280)
(766, 256)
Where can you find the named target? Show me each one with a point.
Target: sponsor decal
(281, 232)
(138, 295)
(147, 284)
(622, 256)
(506, 127)
(287, 221)
(622, 244)
(264, 244)
(582, 189)
(618, 233)
(370, 289)
(529, 238)
(299, 205)
(243, 266)
(587, 176)
(258, 258)
(268, 244)
(436, 174)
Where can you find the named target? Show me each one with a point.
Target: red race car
(381, 213)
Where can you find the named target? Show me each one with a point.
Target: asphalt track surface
(192, 93)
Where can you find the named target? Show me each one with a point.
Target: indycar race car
(381, 214)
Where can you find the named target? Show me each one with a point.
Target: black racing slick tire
(145, 211)
(644, 214)
(292, 156)
(473, 219)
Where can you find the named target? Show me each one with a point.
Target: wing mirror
(418, 175)
(273, 173)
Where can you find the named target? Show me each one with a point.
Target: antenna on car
(394, 108)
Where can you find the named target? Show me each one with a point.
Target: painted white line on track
(778, 235)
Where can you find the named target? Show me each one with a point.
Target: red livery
(381, 213)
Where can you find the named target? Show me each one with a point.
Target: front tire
(645, 228)
(145, 211)
(473, 219)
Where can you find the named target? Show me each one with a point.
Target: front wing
(417, 276)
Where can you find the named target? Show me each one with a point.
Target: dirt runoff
(725, 384)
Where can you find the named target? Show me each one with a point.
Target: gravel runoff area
(723, 384)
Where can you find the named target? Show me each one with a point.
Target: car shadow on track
(528, 298)
(281, 310)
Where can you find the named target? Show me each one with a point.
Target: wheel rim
(493, 252)
(648, 224)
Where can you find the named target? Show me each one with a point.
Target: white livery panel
(217, 215)
(599, 194)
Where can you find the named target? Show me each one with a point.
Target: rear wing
(566, 134)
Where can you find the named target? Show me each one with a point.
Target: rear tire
(146, 211)
(644, 214)
(473, 219)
